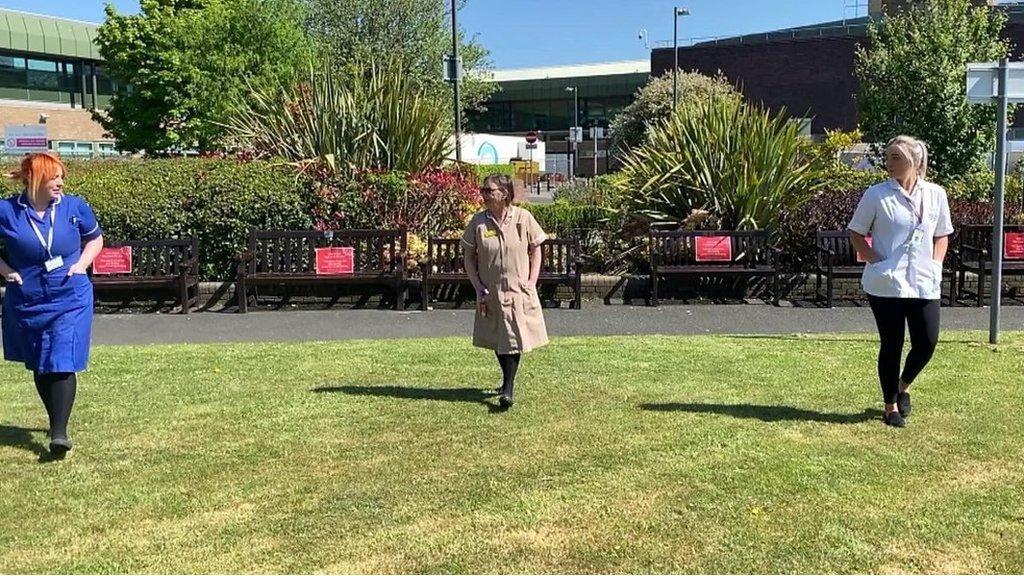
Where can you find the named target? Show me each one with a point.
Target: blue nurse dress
(47, 320)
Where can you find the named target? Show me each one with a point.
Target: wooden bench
(171, 264)
(289, 257)
(837, 259)
(736, 254)
(974, 250)
(560, 266)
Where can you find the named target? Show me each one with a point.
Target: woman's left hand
(77, 268)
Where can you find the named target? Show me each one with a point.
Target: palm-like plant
(737, 161)
(370, 117)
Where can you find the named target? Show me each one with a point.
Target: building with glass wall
(51, 73)
(545, 100)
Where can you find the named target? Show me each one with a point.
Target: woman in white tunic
(908, 221)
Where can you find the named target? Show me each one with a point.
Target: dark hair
(504, 183)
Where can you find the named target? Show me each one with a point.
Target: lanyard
(917, 212)
(48, 242)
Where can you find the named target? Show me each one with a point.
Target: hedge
(215, 200)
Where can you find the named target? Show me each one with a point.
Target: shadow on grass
(471, 395)
(766, 413)
(18, 437)
(866, 337)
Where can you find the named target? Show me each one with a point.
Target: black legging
(509, 366)
(57, 390)
(893, 316)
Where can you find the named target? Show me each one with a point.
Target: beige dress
(514, 323)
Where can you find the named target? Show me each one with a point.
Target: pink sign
(714, 249)
(113, 261)
(335, 261)
(1014, 245)
(860, 257)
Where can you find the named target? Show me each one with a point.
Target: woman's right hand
(13, 278)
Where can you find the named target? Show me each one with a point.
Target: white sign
(25, 138)
(596, 133)
(983, 82)
(576, 134)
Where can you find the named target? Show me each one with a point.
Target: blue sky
(522, 33)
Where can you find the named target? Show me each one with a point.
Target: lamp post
(455, 83)
(676, 13)
(575, 126)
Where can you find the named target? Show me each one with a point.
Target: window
(74, 148)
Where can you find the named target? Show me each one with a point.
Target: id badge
(918, 235)
(53, 263)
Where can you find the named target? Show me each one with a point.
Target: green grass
(649, 454)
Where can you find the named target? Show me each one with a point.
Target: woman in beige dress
(502, 258)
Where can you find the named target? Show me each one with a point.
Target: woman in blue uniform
(51, 240)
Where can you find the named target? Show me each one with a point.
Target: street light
(455, 83)
(575, 125)
(676, 13)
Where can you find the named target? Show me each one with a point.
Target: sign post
(531, 145)
(1000, 83)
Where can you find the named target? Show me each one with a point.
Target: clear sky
(522, 33)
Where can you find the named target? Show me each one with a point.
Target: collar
(895, 185)
(23, 202)
(508, 216)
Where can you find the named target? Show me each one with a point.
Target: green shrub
(600, 191)
(561, 218)
(484, 170)
(739, 162)
(978, 186)
(215, 200)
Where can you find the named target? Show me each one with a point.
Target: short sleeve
(88, 226)
(864, 216)
(535, 235)
(469, 237)
(944, 225)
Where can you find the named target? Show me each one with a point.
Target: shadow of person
(472, 395)
(766, 413)
(18, 437)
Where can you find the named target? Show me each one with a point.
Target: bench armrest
(825, 250)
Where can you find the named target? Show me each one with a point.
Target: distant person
(51, 240)
(909, 224)
(502, 259)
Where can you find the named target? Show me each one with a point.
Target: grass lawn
(649, 454)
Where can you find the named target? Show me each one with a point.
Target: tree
(417, 33)
(654, 103)
(912, 81)
(186, 63)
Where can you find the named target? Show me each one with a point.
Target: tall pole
(675, 54)
(455, 83)
(997, 228)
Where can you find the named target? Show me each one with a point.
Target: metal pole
(997, 228)
(455, 83)
(595, 152)
(675, 53)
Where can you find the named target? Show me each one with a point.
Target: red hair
(37, 169)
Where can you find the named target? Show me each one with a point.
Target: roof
(573, 71)
(46, 35)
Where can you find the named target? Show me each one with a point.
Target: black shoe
(903, 403)
(505, 401)
(894, 419)
(59, 447)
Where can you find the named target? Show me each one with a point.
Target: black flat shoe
(903, 403)
(894, 419)
(505, 401)
(59, 447)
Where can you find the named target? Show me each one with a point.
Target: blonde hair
(504, 183)
(38, 169)
(914, 149)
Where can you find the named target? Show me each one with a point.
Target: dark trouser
(57, 391)
(893, 316)
(509, 365)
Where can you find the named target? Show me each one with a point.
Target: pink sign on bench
(113, 261)
(860, 257)
(1013, 243)
(714, 249)
(335, 261)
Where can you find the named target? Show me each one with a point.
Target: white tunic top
(903, 226)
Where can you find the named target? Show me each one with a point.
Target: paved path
(594, 319)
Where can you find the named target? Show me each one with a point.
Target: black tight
(893, 316)
(57, 390)
(509, 366)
